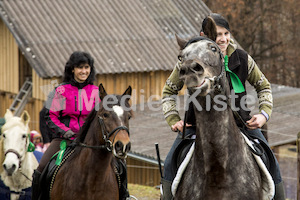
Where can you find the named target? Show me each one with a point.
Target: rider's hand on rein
(257, 121)
(69, 134)
(179, 126)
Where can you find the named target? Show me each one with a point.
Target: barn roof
(149, 127)
(122, 36)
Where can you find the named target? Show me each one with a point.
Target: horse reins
(106, 135)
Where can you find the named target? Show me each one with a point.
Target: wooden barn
(131, 41)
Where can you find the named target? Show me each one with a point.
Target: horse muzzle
(12, 161)
(11, 164)
(120, 149)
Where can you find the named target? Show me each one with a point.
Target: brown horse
(89, 172)
(222, 166)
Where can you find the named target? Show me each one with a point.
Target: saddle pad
(49, 172)
(268, 183)
(181, 169)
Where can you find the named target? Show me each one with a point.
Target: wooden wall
(9, 61)
(42, 87)
(144, 84)
(142, 173)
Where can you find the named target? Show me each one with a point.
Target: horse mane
(90, 118)
(83, 131)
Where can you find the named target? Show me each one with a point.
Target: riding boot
(35, 185)
(279, 191)
(122, 179)
(166, 188)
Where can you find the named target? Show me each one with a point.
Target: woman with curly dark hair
(68, 106)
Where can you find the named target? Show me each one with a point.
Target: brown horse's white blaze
(121, 141)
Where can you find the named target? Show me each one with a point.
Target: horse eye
(24, 136)
(214, 49)
(105, 115)
(129, 117)
(3, 135)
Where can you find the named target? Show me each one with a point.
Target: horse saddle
(180, 152)
(48, 175)
(260, 148)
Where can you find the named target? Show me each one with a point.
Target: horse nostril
(182, 71)
(119, 146)
(4, 166)
(13, 167)
(128, 147)
(198, 68)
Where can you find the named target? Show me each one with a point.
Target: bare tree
(268, 30)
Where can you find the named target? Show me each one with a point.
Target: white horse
(18, 165)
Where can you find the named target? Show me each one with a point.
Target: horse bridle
(215, 79)
(16, 153)
(106, 135)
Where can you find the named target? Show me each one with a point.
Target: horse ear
(210, 29)
(25, 118)
(102, 92)
(181, 42)
(8, 115)
(128, 91)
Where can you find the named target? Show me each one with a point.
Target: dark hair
(219, 20)
(77, 58)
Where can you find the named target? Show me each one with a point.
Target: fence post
(298, 166)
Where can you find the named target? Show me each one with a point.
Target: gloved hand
(69, 134)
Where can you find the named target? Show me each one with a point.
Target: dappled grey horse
(222, 166)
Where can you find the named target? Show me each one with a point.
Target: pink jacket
(70, 105)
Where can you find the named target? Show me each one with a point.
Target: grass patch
(144, 192)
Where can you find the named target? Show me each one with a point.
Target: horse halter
(18, 154)
(106, 135)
